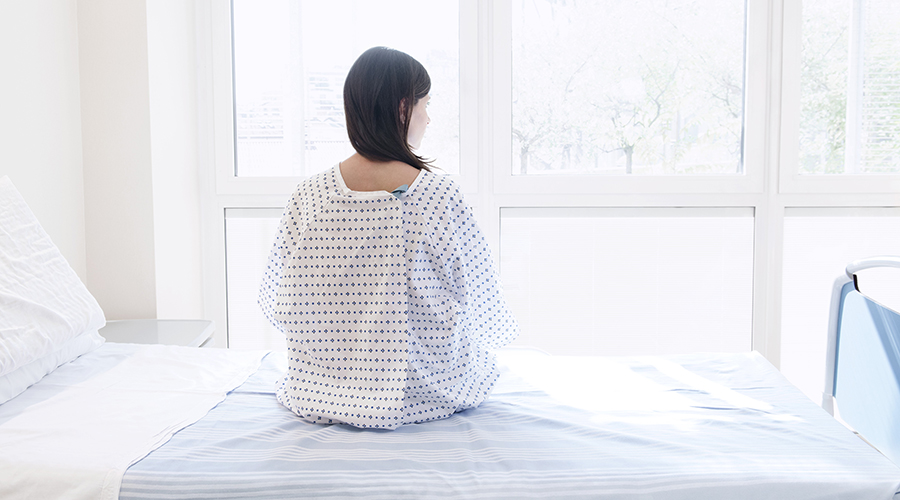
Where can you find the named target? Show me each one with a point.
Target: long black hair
(378, 83)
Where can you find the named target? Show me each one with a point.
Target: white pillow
(15, 382)
(43, 304)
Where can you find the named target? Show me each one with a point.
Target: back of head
(381, 89)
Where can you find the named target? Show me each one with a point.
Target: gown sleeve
(294, 220)
(485, 313)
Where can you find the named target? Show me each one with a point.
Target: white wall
(115, 112)
(139, 126)
(40, 117)
(174, 157)
(98, 131)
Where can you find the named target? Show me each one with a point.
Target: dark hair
(378, 82)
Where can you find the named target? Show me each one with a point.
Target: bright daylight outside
(289, 69)
(651, 87)
(850, 87)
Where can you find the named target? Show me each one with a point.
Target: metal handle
(879, 261)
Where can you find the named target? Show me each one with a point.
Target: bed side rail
(863, 365)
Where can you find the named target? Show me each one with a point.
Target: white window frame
(222, 190)
(769, 186)
(223, 107)
(501, 189)
(751, 181)
(791, 179)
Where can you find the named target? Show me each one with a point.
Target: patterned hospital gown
(390, 304)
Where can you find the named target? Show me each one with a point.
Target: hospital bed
(149, 421)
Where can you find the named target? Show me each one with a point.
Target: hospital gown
(390, 303)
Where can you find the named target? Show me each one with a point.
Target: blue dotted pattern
(390, 305)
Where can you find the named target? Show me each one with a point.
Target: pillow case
(43, 303)
(15, 382)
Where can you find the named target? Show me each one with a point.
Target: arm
(485, 311)
(293, 223)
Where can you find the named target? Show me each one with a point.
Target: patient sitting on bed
(379, 276)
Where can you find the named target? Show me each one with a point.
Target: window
(290, 60)
(654, 167)
(850, 97)
(646, 88)
(248, 241)
(676, 112)
(614, 281)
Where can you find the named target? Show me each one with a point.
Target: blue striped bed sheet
(684, 427)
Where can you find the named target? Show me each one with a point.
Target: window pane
(648, 87)
(290, 60)
(850, 95)
(248, 239)
(629, 281)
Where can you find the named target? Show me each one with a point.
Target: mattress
(684, 427)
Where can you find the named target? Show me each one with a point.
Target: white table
(183, 332)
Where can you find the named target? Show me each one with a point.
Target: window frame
(791, 181)
(769, 187)
(751, 181)
(222, 63)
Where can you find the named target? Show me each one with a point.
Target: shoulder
(318, 186)
(323, 181)
(439, 201)
(311, 195)
(437, 187)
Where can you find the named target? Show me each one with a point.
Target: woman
(379, 276)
